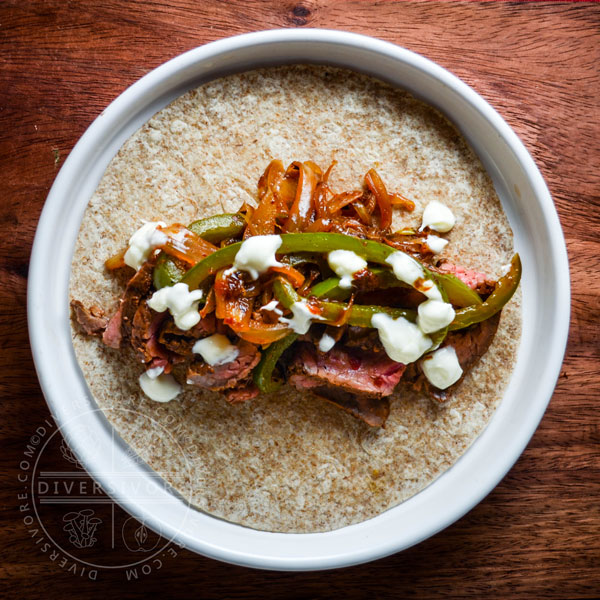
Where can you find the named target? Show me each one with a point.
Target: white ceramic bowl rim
(538, 238)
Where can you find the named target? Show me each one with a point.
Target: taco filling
(311, 287)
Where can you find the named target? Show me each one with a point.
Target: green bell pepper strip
(330, 312)
(220, 259)
(263, 373)
(166, 272)
(212, 229)
(330, 288)
(217, 228)
(458, 292)
(505, 288)
(292, 243)
(360, 315)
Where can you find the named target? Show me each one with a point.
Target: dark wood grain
(537, 534)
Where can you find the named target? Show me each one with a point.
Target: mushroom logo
(81, 527)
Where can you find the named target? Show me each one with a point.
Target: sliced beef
(373, 411)
(477, 281)
(393, 296)
(181, 342)
(363, 338)
(119, 327)
(92, 321)
(351, 379)
(373, 288)
(366, 280)
(238, 396)
(227, 376)
(144, 334)
(137, 288)
(112, 335)
(470, 345)
(316, 332)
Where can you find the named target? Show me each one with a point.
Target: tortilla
(291, 462)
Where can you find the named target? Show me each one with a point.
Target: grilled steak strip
(472, 343)
(181, 342)
(137, 289)
(144, 334)
(356, 382)
(477, 281)
(112, 335)
(372, 411)
(244, 394)
(120, 325)
(92, 321)
(362, 338)
(233, 374)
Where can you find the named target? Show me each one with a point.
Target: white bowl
(538, 239)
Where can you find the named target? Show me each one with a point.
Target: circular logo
(73, 520)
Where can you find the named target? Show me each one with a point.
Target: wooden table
(537, 534)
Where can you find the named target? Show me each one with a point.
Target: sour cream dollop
(302, 317)
(408, 270)
(159, 386)
(272, 307)
(326, 343)
(435, 243)
(438, 216)
(180, 302)
(442, 368)
(146, 239)
(345, 264)
(256, 255)
(216, 350)
(433, 315)
(402, 340)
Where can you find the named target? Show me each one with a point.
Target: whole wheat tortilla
(291, 462)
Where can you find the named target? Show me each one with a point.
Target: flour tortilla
(290, 462)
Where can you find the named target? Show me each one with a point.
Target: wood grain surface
(537, 534)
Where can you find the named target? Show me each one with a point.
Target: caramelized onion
(402, 202)
(377, 187)
(303, 208)
(185, 244)
(296, 278)
(117, 261)
(261, 333)
(231, 306)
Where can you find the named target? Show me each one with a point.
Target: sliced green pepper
(360, 315)
(332, 312)
(217, 228)
(302, 258)
(292, 243)
(220, 259)
(330, 288)
(166, 272)
(263, 373)
(458, 292)
(505, 288)
(212, 229)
